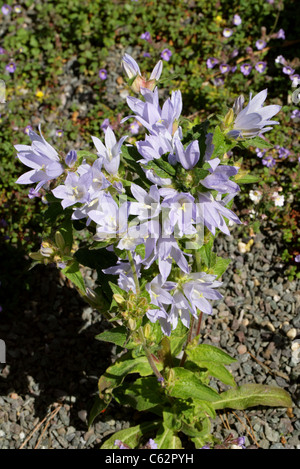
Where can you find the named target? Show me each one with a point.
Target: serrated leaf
(116, 373)
(185, 385)
(205, 352)
(251, 395)
(257, 142)
(131, 436)
(220, 266)
(144, 394)
(117, 336)
(218, 371)
(72, 272)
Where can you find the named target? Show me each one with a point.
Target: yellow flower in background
(39, 94)
(219, 19)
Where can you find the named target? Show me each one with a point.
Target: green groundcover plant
(147, 215)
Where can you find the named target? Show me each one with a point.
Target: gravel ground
(48, 384)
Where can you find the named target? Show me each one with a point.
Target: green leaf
(219, 372)
(246, 179)
(251, 395)
(257, 142)
(117, 336)
(98, 407)
(185, 385)
(72, 272)
(144, 394)
(219, 142)
(206, 352)
(220, 266)
(115, 374)
(167, 439)
(131, 436)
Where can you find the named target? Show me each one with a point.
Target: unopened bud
(71, 158)
(59, 240)
(147, 330)
(132, 324)
(118, 298)
(229, 118)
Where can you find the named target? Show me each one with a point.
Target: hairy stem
(149, 356)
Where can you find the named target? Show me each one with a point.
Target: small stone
(292, 333)
(242, 349)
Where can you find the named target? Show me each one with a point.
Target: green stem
(149, 356)
(189, 339)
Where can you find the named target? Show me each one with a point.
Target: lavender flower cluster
(165, 217)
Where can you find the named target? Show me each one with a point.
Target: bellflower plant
(150, 211)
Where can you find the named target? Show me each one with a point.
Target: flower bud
(147, 330)
(59, 240)
(132, 324)
(229, 118)
(71, 158)
(118, 298)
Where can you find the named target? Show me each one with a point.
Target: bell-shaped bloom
(219, 180)
(147, 205)
(75, 189)
(110, 152)
(188, 157)
(133, 72)
(253, 119)
(42, 158)
(211, 213)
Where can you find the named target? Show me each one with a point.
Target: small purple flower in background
(59, 133)
(281, 34)
(27, 129)
(280, 60)
(227, 32)
(105, 124)
(218, 81)
(2, 51)
(146, 36)
(237, 20)
(224, 68)
(246, 69)
(268, 161)
(134, 127)
(288, 70)
(11, 67)
(260, 66)
(295, 79)
(283, 152)
(33, 193)
(146, 54)
(297, 258)
(119, 442)
(17, 9)
(211, 62)
(233, 69)
(103, 74)
(260, 153)
(6, 9)
(234, 53)
(260, 44)
(295, 114)
(166, 55)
